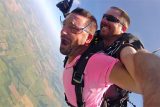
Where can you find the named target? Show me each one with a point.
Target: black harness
(121, 96)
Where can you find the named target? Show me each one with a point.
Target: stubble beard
(65, 51)
(106, 35)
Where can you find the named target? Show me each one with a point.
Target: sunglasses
(112, 19)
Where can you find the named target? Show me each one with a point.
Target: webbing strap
(77, 78)
(79, 90)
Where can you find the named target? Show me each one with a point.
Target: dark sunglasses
(112, 19)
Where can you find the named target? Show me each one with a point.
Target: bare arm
(144, 69)
(126, 78)
(120, 76)
(127, 58)
(147, 66)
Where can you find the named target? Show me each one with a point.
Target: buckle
(77, 77)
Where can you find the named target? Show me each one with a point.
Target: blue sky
(144, 14)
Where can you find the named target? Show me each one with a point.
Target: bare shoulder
(127, 58)
(127, 51)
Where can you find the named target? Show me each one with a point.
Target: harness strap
(65, 61)
(79, 90)
(77, 78)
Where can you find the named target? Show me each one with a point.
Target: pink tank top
(96, 79)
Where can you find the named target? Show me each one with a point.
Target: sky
(144, 14)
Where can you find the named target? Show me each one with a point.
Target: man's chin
(63, 52)
(103, 33)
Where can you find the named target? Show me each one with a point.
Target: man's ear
(124, 28)
(89, 39)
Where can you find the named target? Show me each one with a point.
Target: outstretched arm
(123, 74)
(127, 58)
(143, 67)
(147, 73)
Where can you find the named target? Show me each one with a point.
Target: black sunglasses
(112, 19)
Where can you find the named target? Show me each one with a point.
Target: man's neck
(75, 53)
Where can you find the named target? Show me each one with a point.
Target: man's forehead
(113, 12)
(76, 18)
(71, 16)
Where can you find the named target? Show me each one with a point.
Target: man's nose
(64, 31)
(104, 20)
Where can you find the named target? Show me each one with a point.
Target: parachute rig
(65, 6)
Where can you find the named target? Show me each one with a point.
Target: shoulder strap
(133, 40)
(65, 61)
(77, 78)
(128, 39)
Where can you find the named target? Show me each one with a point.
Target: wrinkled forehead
(76, 19)
(113, 12)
